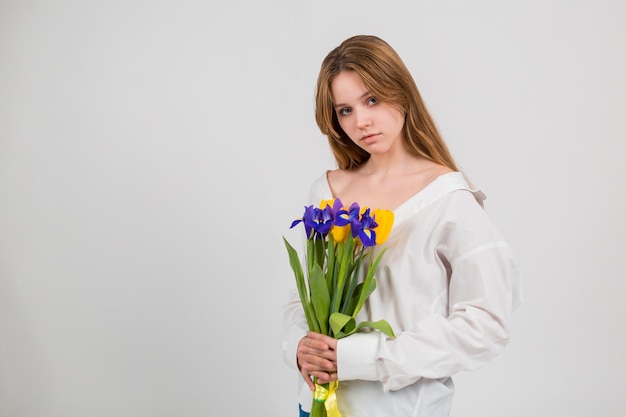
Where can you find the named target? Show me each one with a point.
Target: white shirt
(447, 284)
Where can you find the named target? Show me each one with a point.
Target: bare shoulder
(414, 180)
(332, 175)
(421, 173)
(434, 170)
(339, 179)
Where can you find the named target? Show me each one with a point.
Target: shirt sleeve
(482, 295)
(294, 328)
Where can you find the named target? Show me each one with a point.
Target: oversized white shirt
(447, 284)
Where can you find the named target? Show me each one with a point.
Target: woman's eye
(344, 112)
(372, 100)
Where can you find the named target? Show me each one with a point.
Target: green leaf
(309, 256)
(369, 284)
(347, 302)
(380, 325)
(367, 289)
(342, 325)
(345, 261)
(330, 261)
(294, 261)
(320, 298)
(319, 253)
(339, 249)
(351, 304)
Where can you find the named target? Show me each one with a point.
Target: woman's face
(372, 125)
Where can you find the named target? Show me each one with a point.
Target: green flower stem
(318, 408)
(330, 265)
(345, 263)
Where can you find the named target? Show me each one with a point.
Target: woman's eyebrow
(367, 93)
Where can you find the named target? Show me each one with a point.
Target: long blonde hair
(388, 79)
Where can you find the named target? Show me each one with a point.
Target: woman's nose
(363, 119)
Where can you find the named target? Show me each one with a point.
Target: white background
(154, 153)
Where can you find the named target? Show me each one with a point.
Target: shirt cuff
(290, 345)
(356, 357)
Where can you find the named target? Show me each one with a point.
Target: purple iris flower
(336, 215)
(354, 214)
(316, 221)
(367, 234)
(319, 221)
(310, 220)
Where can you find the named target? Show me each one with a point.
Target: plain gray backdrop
(154, 153)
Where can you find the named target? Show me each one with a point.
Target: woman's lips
(369, 138)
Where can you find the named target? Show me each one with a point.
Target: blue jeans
(302, 413)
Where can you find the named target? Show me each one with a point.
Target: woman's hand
(317, 357)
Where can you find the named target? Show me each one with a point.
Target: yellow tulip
(324, 203)
(384, 219)
(340, 233)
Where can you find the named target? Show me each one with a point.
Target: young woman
(448, 282)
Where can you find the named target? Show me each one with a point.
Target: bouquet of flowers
(339, 244)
